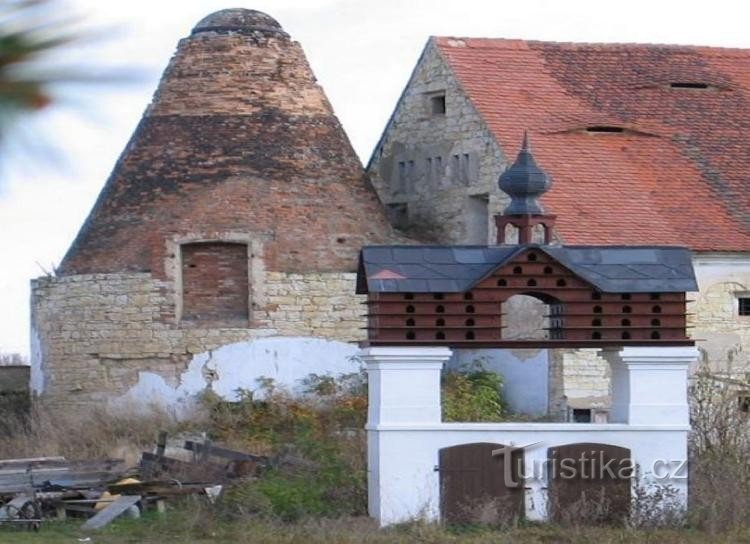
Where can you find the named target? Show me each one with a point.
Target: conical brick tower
(239, 137)
(236, 211)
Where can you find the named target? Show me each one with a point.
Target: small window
(437, 104)
(470, 335)
(743, 401)
(627, 309)
(625, 296)
(410, 322)
(596, 322)
(597, 309)
(532, 257)
(468, 296)
(411, 335)
(655, 296)
(625, 322)
(469, 322)
(548, 270)
(656, 322)
(655, 335)
(518, 270)
(561, 283)
(596, 335)
(596, 296)
(501, 283)
(531, 283)
(410, 309)
(581, 415)
(626, 336)
(656, 309)
(408, 296)
(470, 309)
(440, 322)
(440, 309)
(440, 335)
(744, 305)
(438, 296)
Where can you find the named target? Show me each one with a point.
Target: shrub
(473, 394)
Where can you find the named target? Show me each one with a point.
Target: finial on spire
(524, 182)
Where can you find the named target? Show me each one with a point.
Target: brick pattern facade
(236, 211)
(215, 283)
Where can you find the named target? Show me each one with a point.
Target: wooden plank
(223, 453)
(112, 511)
(161, 443)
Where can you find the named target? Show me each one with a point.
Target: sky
(53, 164)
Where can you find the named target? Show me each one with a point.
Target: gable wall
(451, 207)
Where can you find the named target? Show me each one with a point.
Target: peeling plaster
(225, 370)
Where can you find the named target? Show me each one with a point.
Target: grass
(316, 489)
(180, 526)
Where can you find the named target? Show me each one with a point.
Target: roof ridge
(514, 43)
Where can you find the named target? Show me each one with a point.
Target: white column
(649, 385)
(403, 393)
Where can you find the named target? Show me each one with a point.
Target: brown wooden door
(477, 487)
(589, 482)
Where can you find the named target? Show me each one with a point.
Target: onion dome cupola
(524, 182)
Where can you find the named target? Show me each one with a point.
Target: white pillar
(649, 385)
(403, 393)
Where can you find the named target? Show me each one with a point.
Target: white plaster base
(285, 360)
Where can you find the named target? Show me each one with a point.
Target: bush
(316, 440)
(473, 394)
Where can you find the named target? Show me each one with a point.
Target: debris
(41, 488)
(115, 509)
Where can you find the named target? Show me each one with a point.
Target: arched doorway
(532, 316)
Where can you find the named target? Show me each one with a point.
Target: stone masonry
(454, 199)
(235, 212)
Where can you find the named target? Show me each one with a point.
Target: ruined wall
(94, 333)
(723, 335)
(437, 172)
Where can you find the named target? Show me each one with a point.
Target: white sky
(361, 51)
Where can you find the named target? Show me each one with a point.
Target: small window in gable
(744, 305)
(215, 286)
(437, 104)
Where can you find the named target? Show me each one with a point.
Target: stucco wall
(95, 333)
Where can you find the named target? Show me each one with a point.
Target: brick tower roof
(646, 143)
(239, 138)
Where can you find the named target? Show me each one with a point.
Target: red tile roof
(678, 174)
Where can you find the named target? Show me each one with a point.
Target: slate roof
(678, 174)
(451, 269)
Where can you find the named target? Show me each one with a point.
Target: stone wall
(93, 333)
(441, 168)
(723, 335)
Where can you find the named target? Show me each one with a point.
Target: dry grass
(82, 434)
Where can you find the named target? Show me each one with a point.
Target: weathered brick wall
(239, 137)
(215, 283)
(95, 332)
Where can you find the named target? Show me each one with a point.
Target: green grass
(187, 526)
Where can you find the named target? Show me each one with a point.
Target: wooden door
(589, 482)
(478, 487)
